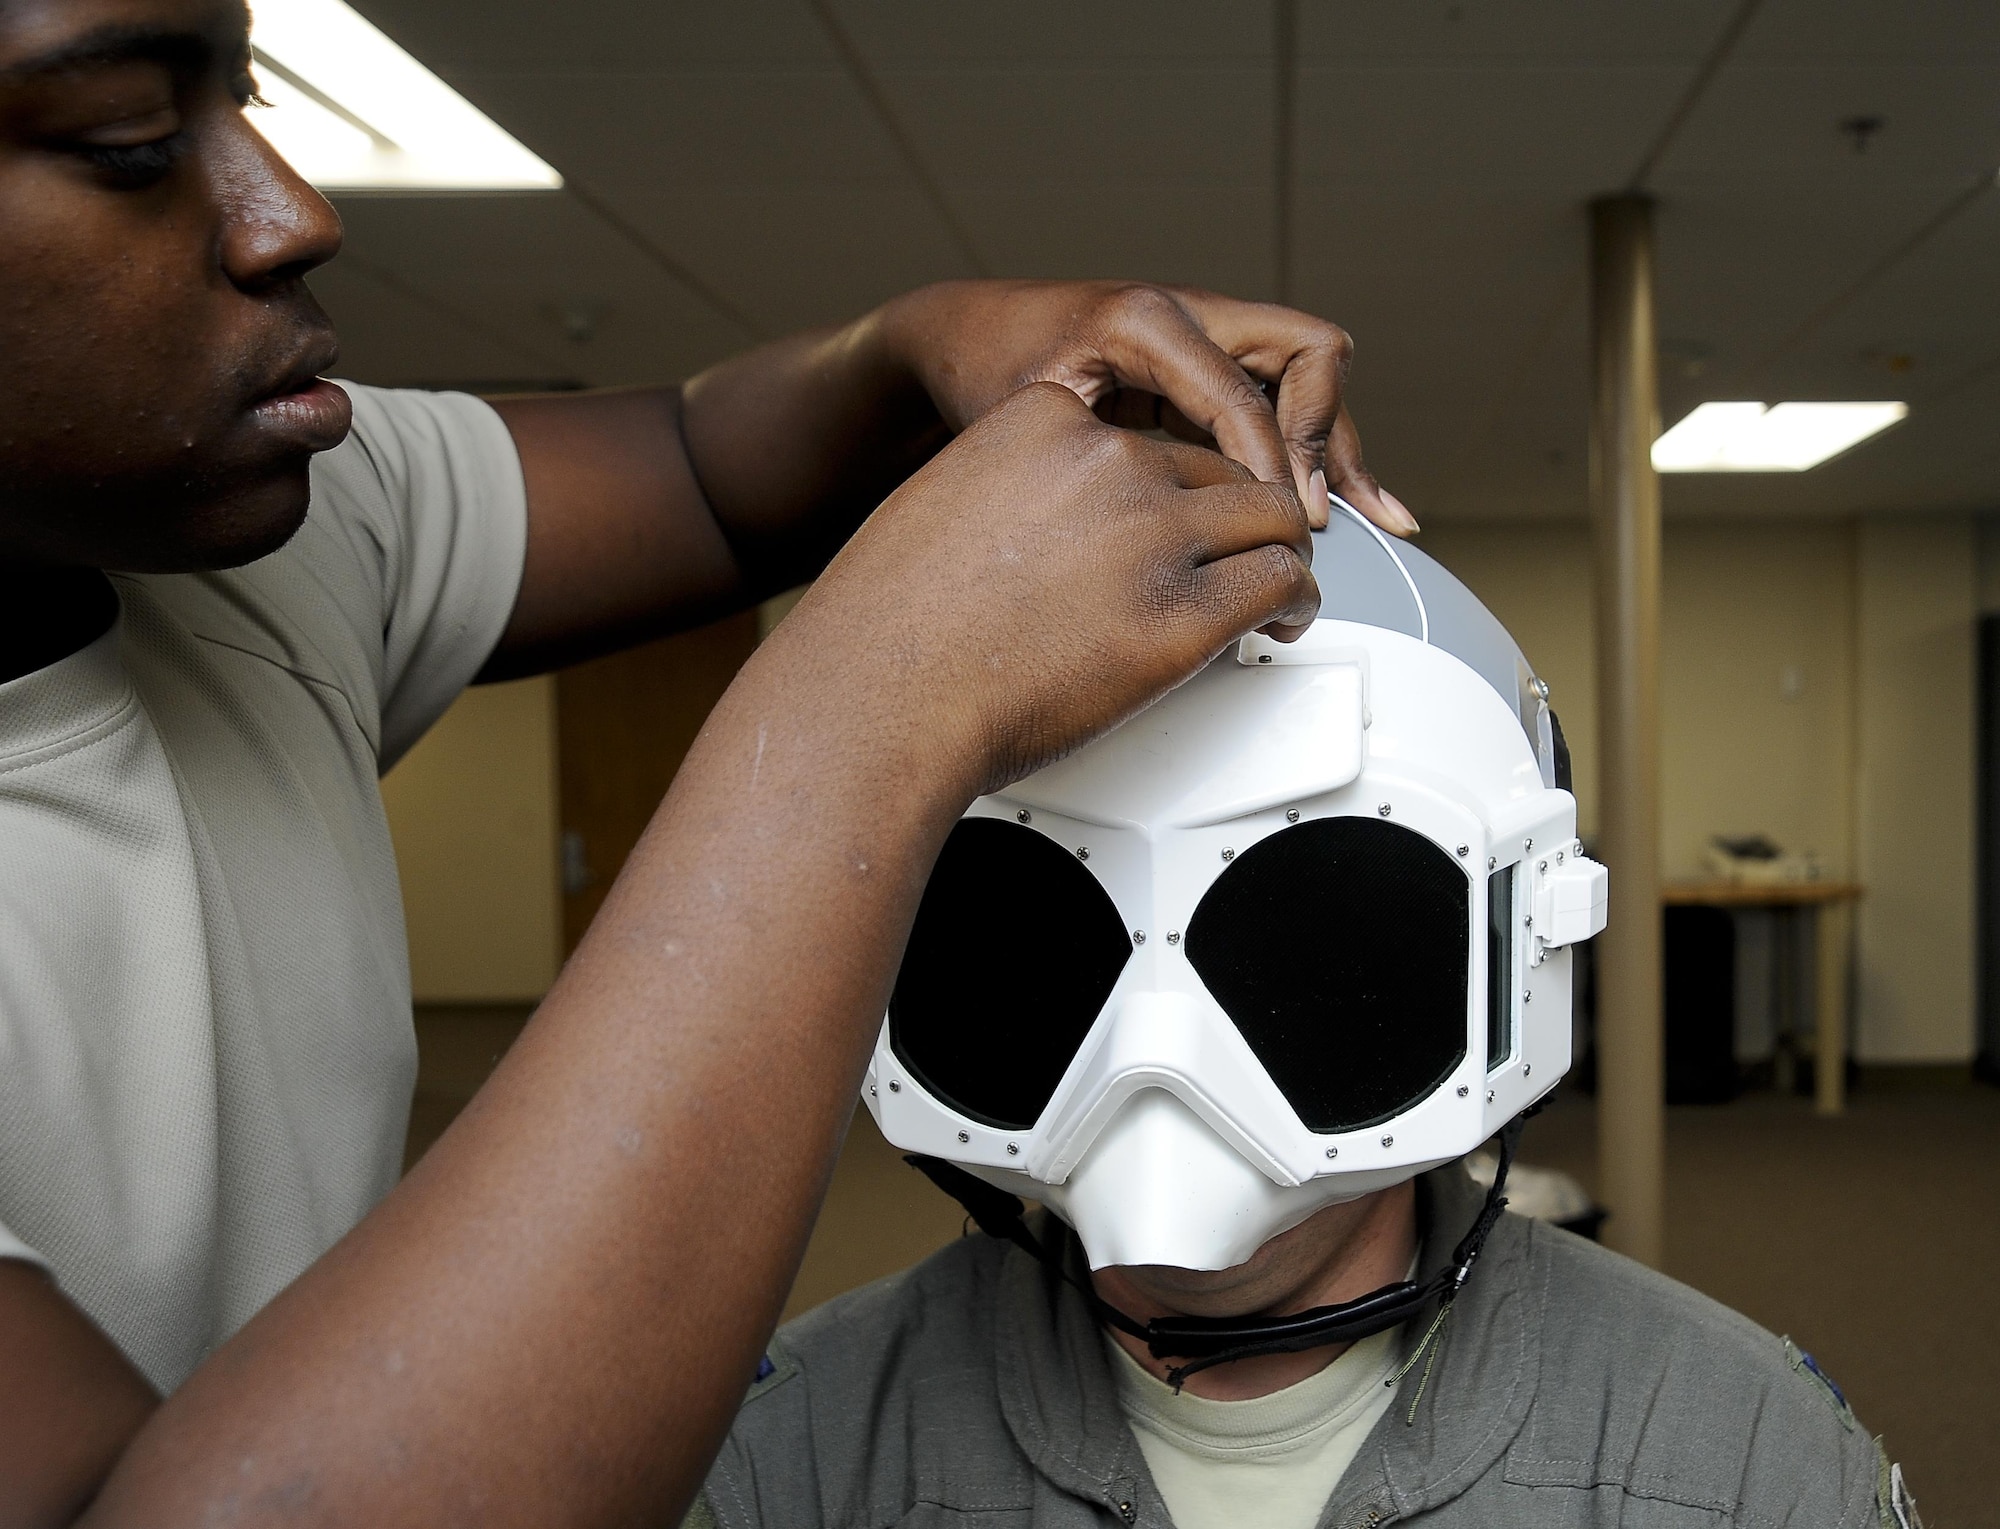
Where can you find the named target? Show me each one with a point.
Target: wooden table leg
(1830, 1008)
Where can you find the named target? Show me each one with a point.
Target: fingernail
(1316, 500)
(1405, 521)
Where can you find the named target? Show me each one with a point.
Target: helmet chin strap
(1205, 1342)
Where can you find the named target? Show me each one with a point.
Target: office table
(1830, 904)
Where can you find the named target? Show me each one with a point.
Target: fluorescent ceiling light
(352, 111)
(1787, 437)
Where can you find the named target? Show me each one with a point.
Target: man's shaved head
(158, 347)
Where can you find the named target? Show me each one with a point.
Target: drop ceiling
(1416, 169)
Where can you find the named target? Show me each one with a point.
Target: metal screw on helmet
(1229, 854)
(1013, 1149)
(1528, 921)
(1527, 995)
(1291, 815)
(1540, 686)
(871, 1091)
(1383, 810)
(1559, 857)
(1489, 1096)
(1464, 850)
(1388, 1141)
(965, 1136)
(1173, 936)
(1464, 1089)
(1526, 845)
(895, 1087)
(1082, 853)
(1491, 861)
(1333, 1152)
(1024, 816)
(1138, 936)
(1527, 1068)
(1542, 866)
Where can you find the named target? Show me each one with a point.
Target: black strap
(1209, 1341)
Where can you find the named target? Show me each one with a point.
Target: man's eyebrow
(177, 48)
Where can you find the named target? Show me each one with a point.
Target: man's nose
(275, 226)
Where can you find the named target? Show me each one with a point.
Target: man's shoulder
(881, 1398)
(932, 1318)
(1651, 1386)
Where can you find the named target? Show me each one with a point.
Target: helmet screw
(1229, 854)
(1388, 1141)
(895, 1087)
(1082, 853)
(1291, 815)
(1333, 1152)
(1173, 936)
(1559, 857)
(1491, 862)
(1013, 1149)
(1024, 816)
(1527, 1068)
(1138, 936)
(1489, 1096)
(1464, 1089)
(1526, 845)
(1528, 922)
(965, 1136)
(871, 1091)
(1527, 995)
(1464, 850)
(1542, 865)
(1540, 686)
(1383, 810)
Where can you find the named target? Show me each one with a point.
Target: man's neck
(1374, 1250)
(47, 614)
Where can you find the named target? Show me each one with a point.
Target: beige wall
(473, 811)
(1918, 599)
(1816, 686)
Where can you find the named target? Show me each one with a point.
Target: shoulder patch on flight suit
(1806, 1365)
(773, 1370)
(1895, 1508)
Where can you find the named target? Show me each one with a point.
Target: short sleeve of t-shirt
(432, 481)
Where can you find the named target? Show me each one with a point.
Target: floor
(1872, 1239)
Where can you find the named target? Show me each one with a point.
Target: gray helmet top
(1368, 577)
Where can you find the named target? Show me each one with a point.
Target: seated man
(1233, 992)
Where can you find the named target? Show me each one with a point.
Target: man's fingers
(1229, 519)
(1151, 342)
(1347, 477)
(1268, 588)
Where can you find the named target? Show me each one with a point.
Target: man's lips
(315, 415)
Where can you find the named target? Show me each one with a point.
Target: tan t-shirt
(1272, 1461)
(205, 1044)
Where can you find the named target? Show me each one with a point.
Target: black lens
(1340, 950)
(1014, 951)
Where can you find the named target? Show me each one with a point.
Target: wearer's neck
(47, 614)
(1343, 1252)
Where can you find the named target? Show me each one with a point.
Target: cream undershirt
(1272, 1461)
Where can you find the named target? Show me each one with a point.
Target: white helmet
(1292, 935)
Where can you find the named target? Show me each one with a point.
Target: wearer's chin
(218, 531)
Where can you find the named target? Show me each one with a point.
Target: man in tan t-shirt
(231, 593)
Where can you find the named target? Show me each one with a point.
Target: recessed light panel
(352, 111)
(1782, 438)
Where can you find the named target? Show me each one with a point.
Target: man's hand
(1260, 382)
(1048, 576)
(654, 510)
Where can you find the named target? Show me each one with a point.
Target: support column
(1625, 536)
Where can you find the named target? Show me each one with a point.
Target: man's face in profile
(158, 347)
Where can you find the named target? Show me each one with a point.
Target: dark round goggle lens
(1014, 951)
(1339, 948)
